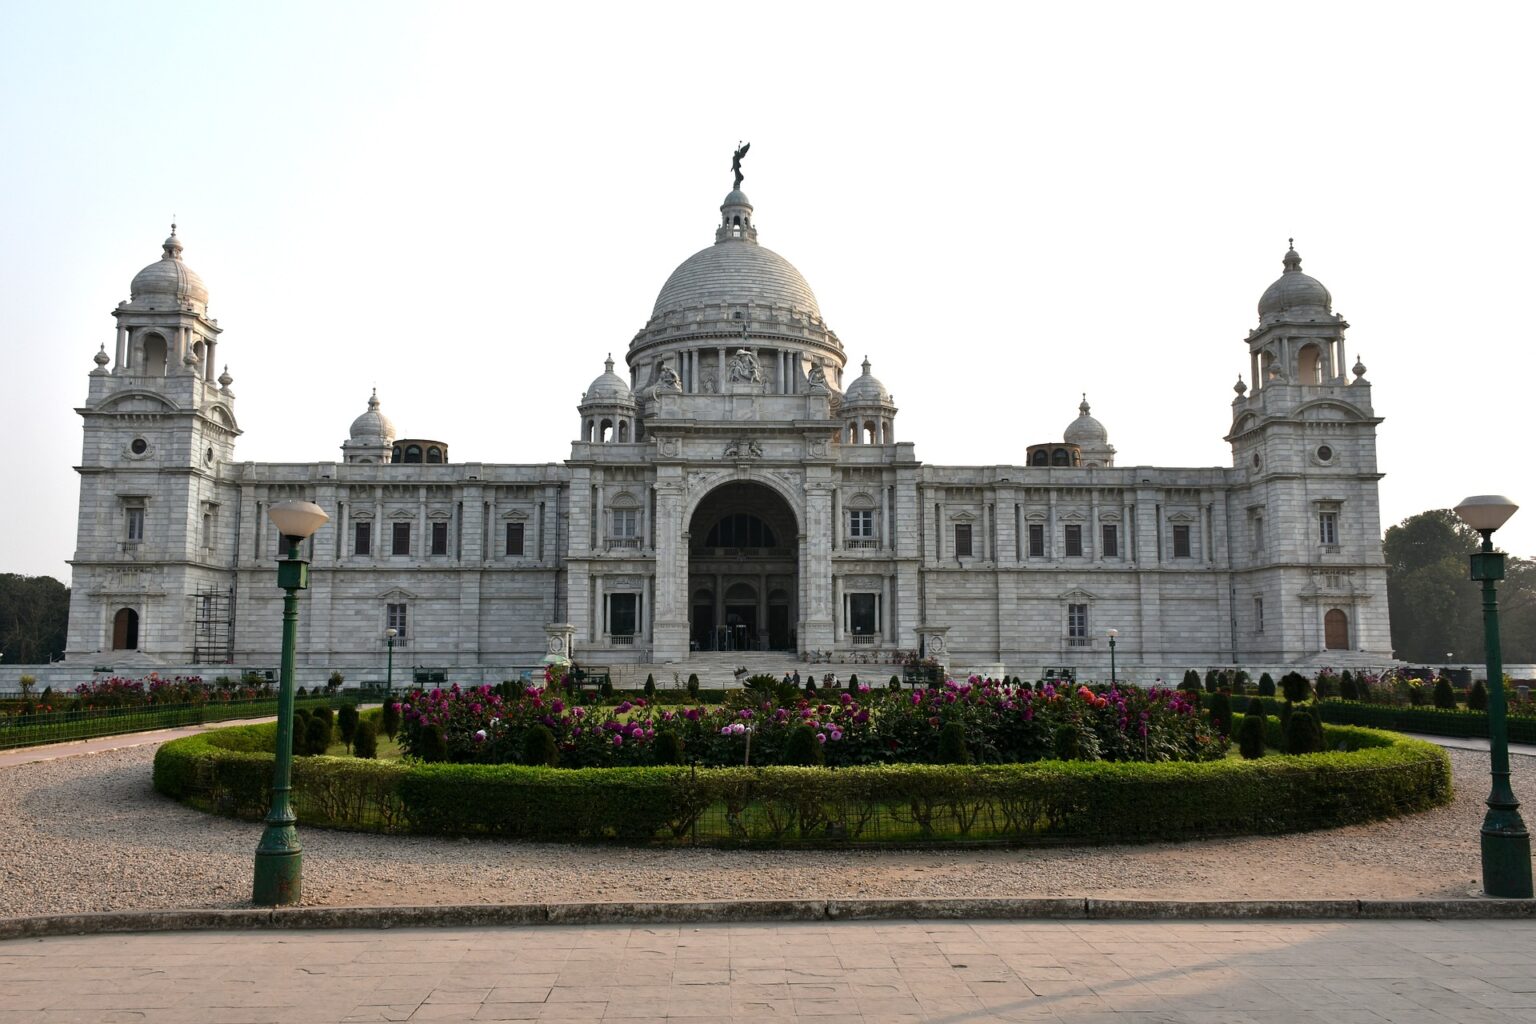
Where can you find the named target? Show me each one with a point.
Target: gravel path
(88, 834)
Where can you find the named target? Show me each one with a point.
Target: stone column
(815, 565)
(671, 640)
(122, 347)
(209, 351)
(839, 619)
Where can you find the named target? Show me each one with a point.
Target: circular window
(139, 446)
(1324, 453)
(208, 456)
(1255, 460)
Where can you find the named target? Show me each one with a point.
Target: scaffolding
(214, 635)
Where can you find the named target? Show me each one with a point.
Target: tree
(34, 619)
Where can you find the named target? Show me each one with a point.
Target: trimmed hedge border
(1432, 721)
(1378, 775)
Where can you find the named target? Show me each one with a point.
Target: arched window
(740, 530)
(623, 431)
(1040, 458)
(154, 356)
(1336, 630)
(1309, 365)
(605, 431)
(395, 455)
(434, 454)
(413, 453)
(125, 630)
(1061, 457)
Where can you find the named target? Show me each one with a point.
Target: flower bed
(1376, 775)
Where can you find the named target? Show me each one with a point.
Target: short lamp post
(1112, 634)
(279, 857)
(1506, 845)
(389, 670)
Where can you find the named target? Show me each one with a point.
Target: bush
(605, 688)
(539, 747)
(317, 735)
(1256, 707)
(853, 682)
(334, 682)
(1296, 687)
(1477, 697)
(346, 723)
(324, 713)
(433, 748)
(810, 684)
(1211, 682)
(650, 686)
(803, 748)
(1347, 688)
(952, 748)
(1266, 685)
(1241, 681)
(1221, 713)
(1417, 697)
(1324, 687)
(365, 740)
(894, 684)
(391, 718)
(300, 732)
(1302, 733)
(1191, 681)
(669, 748)
(1445, 697)
(301, 692)
(693, 685)
(1286, 711)
(1250, 737)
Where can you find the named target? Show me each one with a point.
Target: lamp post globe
(278, 878)
(1506, 845)
(1112, 634)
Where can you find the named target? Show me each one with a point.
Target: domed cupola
(1295, 296)
(169, 284)
(608, 409)
(867, 410)
(372, 435)
(1090, 437)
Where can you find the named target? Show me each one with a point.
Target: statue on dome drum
(745, 367)
(741, 151)
(667, 380)
(817, 378)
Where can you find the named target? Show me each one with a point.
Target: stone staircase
(717, 670)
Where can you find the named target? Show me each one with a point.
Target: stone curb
(739, 911)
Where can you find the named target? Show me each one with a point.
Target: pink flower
(618, 740)
(821, 737)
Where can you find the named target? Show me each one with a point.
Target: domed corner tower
(608, 410)
(1305, 513)
(372, 436)
(867, 411)
(1090, 438)
(154, 546)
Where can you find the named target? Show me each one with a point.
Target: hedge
(1431, 721)
(63, 726)
(1377, 775)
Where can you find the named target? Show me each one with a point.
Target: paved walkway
(117, 741)
(1099, 972)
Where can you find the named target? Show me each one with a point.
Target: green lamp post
(279, 857)
(389, 671)
(1506, 845)
(1112, 634)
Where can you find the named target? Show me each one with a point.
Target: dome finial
(373, 399)
(1082, 407)
(1292, 258)
(608, 363)
(172, 245)
(1240, 387)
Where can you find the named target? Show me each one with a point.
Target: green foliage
(1296, 687)
(802, 747)
(390, 720)
(952, 747)
(365, 740)
(1445, 697)
(334, 682)
(1286, 711)
(300, 732)
(1347, 688)
(650, 686)
(324, 713)
(34, 619)
(1324, 687)
(539, 747)
(1477, 697)
(894, 684)
(317, 735)
(433, 746)
(1250, 737)
(693, 685)
(1211, 682)
(1266, 685)
(605, 687)
(1256, 706)
(853, 682)
(1220, 706)
(1303, 735)
(669, 748)
(1191, 681)
(346, 723)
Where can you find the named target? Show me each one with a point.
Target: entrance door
(125, 630)
(1336, 630)
(704, 620)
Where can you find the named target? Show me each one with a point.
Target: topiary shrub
(1239, 683)
(1255, 707)
(1296, 687)
(693, 685)
(810, 684)
(605, 688)
(346, 723)
(433, 748)
(1221, 712)
(1303, 735)
(952, 749)
(1250, 737)
(300, 732)
(853, 682)
(802, 747)
(325, 714)
(539, 747)
(1417, 696)
(1286, 710)
(668, 748)
(1212, 683)
(317, 735)
(1266, 685)
(1067, 742)
(1191, 681)
(390, 719)
(334, 682)
(301, 692)
(894, 684)
(1477, 697)
(1347, 688)
(650, 686)
(365, 740)
(1324, 687)
(1445, 697)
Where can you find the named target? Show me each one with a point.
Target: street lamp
(389, 672)
(279, 857)
(1112, 634)
(1506, 845)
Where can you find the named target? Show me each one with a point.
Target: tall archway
(1336, 630)
(125, 630)
(743, 569)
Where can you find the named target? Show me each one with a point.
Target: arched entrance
(743, 566)
(1336, 630)
(125, 630)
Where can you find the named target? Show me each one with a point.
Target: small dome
(1085, 430)
(1294, 294)
(866, 388)
(736, 197)
(608, 389)
(169, 282)
(373, 426)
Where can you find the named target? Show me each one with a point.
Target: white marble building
(737, 489)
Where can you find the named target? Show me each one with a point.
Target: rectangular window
(1258, 535)
(135, 525)
(400, 540)
(1036, 540)
(626, 523)
(514, 539)
(362, 538)
(1327, 527)
(962, 540)
(395, 619)
(1073, 536)
(861, 523)
(440, 538)
(623, 614)
(1181, 541)
(1111, 540)
(862, 618)
(1258, 615)
(1077, 621)
(207, 529)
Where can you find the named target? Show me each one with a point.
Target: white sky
(1002, 206)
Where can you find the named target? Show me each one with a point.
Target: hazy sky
(1003, 206)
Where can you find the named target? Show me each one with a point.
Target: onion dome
(1294, 295)
(736, 270)
(373, 427)
(1085, 430)
(169, 283)
(608, 389)
(866, 388)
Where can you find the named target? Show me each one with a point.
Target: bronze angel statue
(741, 151)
